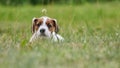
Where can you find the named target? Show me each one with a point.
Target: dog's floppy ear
(55, 25)
(34, 21)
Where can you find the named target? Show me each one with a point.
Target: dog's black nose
(42, 30)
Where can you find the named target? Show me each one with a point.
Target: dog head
(44, 26)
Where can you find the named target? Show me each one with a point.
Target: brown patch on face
(37, 23)
(50, 25)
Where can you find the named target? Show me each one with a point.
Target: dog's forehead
(46, 19)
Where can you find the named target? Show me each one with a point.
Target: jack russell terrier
(45, 27)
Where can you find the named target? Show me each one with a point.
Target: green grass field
(91, 32)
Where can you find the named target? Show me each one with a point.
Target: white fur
(57, 37)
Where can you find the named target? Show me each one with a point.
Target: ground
(91, 32)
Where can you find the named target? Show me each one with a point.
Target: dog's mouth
(43, 35)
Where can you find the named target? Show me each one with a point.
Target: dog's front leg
(60, 38)
(57, 37)
(54, 37)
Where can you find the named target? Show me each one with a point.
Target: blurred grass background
(46, 2)
(91, 32)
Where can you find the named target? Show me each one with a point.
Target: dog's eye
(49, 25)
(38, 24)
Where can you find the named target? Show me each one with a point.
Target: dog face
(44, 26)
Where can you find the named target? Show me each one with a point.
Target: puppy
(45, 27)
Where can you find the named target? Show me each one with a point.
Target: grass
(91, 32)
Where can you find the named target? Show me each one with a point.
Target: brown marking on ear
(36, 23)
(34, 20)
(55, 25)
